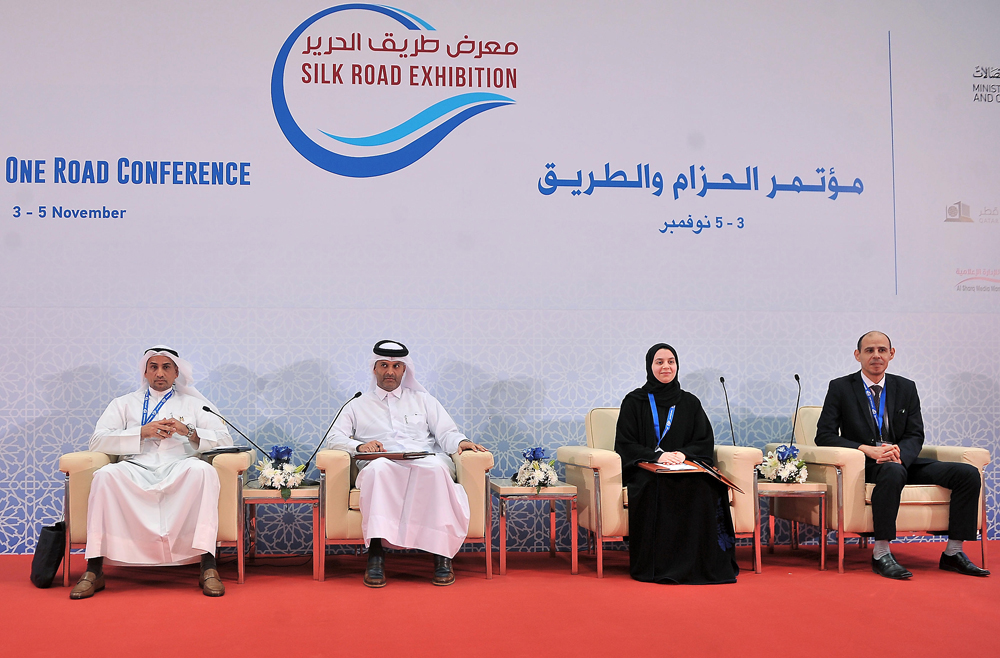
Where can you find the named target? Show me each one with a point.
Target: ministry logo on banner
(364, 90)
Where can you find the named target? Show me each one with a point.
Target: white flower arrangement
(276, 472)
(784, 465)
(535, 472)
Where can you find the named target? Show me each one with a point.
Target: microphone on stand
(795, 417)
(226, 421)
(306, 469)
(732, 430)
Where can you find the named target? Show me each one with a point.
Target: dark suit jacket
(846, 420)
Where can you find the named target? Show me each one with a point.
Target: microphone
(795, 417)
(732, 430)
(226, 421)
(306, 469)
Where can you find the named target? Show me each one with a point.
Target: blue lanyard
(145, 405)
(879, 413)
(656, 420)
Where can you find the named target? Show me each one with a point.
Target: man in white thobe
(405, 503)
(159, 504)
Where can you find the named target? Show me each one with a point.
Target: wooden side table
(254, 495)
(505, 491)
(772, 490)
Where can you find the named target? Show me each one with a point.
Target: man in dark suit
(879, 414)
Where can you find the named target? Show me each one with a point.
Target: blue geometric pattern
(511, 379)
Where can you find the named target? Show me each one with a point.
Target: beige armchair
(340, 500)
(79, 468)
(923, 508)
(596, 471)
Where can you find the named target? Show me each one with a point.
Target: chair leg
(488, 529)
(68, 549)
(840, 520)
(599, 545)
(756, 549)
(984, 533)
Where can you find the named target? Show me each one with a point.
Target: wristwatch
(190, 431)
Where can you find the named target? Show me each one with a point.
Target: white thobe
(158, 505)
(414, 503)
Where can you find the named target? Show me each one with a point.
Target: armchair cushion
(916, 493)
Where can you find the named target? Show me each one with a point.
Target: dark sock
(375, 547)
(95, 565)
(207, 561)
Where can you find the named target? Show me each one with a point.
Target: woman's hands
(671, 458)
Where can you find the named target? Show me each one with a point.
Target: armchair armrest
(79, 468)
(978, 457)
(233, 462)
(581, 464)
(471, 469)
(739, 464)
(75, 462)
(594, 458)
(335, 465)
(471, 465)
(231, 469)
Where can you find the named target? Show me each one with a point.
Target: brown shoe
(88, 585)
(443, 572)
(211, 583)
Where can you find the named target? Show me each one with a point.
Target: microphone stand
(732, 430)
(226, 421)
(795, 417)
(306, 468)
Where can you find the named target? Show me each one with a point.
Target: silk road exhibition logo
(364, 90)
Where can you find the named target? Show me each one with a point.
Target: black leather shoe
(443, 573)
(375, 573)
(888, 567)
(960, 563)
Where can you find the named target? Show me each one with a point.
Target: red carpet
(538, 608)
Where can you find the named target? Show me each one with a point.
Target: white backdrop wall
(829, 145)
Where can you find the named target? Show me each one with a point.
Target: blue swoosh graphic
(425, 24)
(418, 121)
(343, 165)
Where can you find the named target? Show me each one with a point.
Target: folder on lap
(368, 456)
(689, 466)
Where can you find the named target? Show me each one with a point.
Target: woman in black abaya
(680, 526)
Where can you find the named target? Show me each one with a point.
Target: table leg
(253, 532)
(575, 531)
(770, 526)
(795, 535)
(503, 535)
(822, 530)
(319, 549)
(552, 528)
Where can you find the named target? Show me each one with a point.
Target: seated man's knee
(202, 465)
(891, 475)
(969, 475)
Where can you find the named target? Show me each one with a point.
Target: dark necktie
(876, 394)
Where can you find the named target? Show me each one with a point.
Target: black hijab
(665, 394)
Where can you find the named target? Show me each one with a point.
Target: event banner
(779, 155)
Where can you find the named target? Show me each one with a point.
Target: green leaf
(286, 493)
